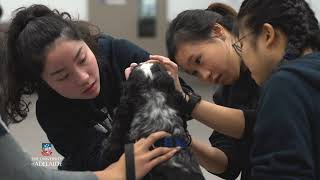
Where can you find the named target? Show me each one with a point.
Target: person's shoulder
(285, 84)
(105, 38)
(280, 80)
(305, 69)
(118, 45)
(105, 41)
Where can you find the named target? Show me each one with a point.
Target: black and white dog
(150, 103)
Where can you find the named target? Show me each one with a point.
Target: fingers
(132, 65)
(171, 67)
(129, 69)
(152, 138)
(127, 72)
(153, 61)
(158, 57)
(163, 60)
(160, 151)
(140, 141)
(166, 62)
(163, 158)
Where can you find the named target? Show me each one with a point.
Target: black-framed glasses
(237, 46)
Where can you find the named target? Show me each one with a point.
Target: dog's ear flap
(121, 124)
(163, 82)
(135, 86)
(130, 100)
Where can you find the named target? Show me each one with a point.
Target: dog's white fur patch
(146, 68)
(157, 112)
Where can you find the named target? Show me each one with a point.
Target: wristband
(191, 100)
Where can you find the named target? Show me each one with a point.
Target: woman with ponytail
(203, 44)
(280, 42)
(76, 71)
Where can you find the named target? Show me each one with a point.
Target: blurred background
(143, 22)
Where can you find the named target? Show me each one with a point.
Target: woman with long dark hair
(76, 71)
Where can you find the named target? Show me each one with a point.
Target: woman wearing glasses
(281, 49)
(203, 44)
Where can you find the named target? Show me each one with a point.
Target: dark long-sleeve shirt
(286, 142)
(244, 95)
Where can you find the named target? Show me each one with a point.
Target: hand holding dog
(129, 69)
(145, 159)
(170, 66)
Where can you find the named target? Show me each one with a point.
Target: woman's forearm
(225, 120)
(16, 164)
(211, 158)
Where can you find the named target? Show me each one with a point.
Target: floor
(30, 135)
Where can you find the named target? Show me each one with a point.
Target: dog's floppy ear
(121, 123)
(131, 99)
(162, 80)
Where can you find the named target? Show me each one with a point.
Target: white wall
(315, 6)
(77, 8)
(177, 6)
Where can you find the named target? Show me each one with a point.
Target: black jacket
(286, 142)
(79, 129)
(244, 95)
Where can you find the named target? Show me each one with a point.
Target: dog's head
(147, 76)
(149, 98)
(151, 103)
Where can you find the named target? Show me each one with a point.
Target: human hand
(129, 69)
(171, 67)
(145, 159)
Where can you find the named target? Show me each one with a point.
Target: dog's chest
(155, 115)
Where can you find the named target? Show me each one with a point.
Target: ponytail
(228, 14)
(197, 24)
(222, 9)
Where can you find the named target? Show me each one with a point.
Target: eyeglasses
(237, 46)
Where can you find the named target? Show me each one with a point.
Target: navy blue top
(286, 142)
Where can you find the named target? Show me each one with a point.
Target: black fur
(150, 103)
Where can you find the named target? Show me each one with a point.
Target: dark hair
(1, 11)
(197, 25)
(293, 17)
(3, 76)
(31, 33)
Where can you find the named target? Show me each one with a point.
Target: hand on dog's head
(151, 75)
(143, 80)
(150, 103)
